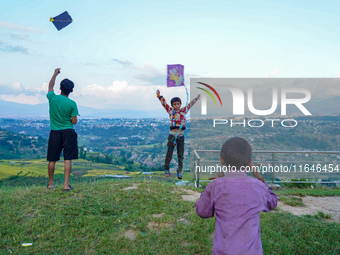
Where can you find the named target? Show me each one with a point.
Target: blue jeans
(180, 152)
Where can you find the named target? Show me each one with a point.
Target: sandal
(167, 173)
(68, 189)
(179, 176)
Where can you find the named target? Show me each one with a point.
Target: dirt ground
(192, 196)
(134, 186)
(329, 205)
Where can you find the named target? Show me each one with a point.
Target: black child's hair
(66, 86)
(175, 99)
(236, 152)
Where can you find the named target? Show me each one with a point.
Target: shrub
(304, 184)
(292, 201)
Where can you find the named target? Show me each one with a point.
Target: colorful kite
(61, 20)
(175, 76)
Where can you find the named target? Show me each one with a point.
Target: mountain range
(10, 109)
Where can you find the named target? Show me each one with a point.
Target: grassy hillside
(34, 172)
(38, 167)
(136, 217)
(21, 146)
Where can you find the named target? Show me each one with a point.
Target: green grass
(323, 215)
(98, 172)
(33, 168)
(285, 233)
(292, 201)
(92, 219)
(38, 168)
(80, 169)
(318, 191)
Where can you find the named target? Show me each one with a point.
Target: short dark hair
(66, 86)
(236, 152)
(175, 99)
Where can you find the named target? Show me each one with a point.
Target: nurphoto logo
(239, 100)
(255, 99)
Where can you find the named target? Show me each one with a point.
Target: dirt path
(329, 205)
(193, 195)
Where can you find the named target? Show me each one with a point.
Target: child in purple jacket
(236, 200)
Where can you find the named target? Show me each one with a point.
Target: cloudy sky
(116, 52)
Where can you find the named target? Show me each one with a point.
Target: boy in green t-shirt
(63, 115)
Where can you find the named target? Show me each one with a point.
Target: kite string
(186, 111)
(58, 56)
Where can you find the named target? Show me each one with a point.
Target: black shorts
(65, 140)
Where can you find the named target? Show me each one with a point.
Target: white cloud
(122, 95)
(13, 26)
(13, 88)
(43, 88)
(21, 99)
(151, 74)
(114, 91)
(125, 63)
(24, 37)
(272, 73)
(148, 68)
(13, 48)
(18, 86)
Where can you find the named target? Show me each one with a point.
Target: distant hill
(15, 109)
(325, 107)
(26, 110)
(21, 146)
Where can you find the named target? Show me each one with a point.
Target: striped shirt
(176, 117)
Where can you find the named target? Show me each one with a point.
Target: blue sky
(116, 52)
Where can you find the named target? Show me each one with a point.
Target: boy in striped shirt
(177, 116)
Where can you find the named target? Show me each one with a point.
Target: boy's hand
(198, 97)
(57, 71)
(213, 178)
(52, 81)
(158, 92)
(219, 174)
(254, 171)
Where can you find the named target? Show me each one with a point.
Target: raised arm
(52, 81)
(163, 102)
(191, 104)
(255, 172)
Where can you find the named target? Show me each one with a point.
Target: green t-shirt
(61, 110)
